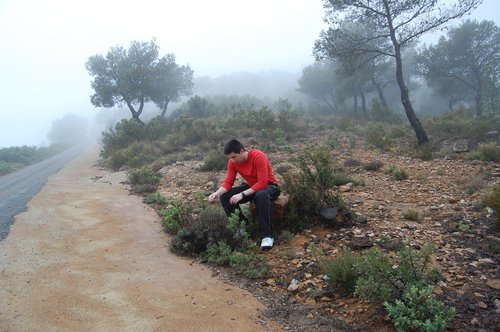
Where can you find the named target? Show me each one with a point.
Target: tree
(465, 64)
(137, 76)
(68, 131)
(393, 25)
(171, 82)
(320, 81)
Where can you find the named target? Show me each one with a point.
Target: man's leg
(231, 208)
(263, 202)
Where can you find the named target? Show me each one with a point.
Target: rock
(494, 283)
(294, 286)
(329, 213)
(482, 305)
(438, 290)
(360, 244)
(485, 261)
(461, 146)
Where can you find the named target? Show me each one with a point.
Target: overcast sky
(45, 45)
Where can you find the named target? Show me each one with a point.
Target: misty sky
(45, 45)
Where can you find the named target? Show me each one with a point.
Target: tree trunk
(355, 99)
(363, 104)
(380, 93)
(164, 109)
(135, 114)
(405, 100)
(405, 95)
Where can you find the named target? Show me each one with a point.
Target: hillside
(440, 202)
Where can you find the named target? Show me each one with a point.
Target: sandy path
(87, 256)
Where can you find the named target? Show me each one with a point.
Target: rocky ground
(445, 191)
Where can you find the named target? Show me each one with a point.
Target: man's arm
(216, 194)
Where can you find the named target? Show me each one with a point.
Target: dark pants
(263, 202)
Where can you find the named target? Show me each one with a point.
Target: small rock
(294, 285)
(482, 305)
(495, 284)
(310, 316)
(485, 261)
(474, 321)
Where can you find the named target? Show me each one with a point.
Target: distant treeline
(13, 158)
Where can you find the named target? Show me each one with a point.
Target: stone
(494, 283)
(482, 305)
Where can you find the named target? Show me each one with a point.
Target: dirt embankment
(86, 255)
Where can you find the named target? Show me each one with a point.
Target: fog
(45, 45)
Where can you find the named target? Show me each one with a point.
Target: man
(260, 186)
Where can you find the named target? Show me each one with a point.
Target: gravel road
(88, 256)
(16, 189)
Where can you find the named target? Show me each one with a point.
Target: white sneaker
(267, 243)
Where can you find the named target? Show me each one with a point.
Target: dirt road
(87, 256)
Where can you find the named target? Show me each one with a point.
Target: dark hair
(233, 146)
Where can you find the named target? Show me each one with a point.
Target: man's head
(235, 151)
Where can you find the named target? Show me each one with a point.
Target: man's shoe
(267, 243)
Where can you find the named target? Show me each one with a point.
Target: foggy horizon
(47, 44)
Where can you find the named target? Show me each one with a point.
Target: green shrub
(313, 187)
(174, 217)
(487, 152)
(214, 161)
(411, 215)
(5, 168)
(249, 265)
(418, 310)
(144, 180)
(389, 244)
(382, 280)
(207, 228)
(373, 165)
(125, 132)
(155, 198)
(342, 271)
(375, 136)
(461, 123)
(494, 203)
(399, 174)
(219, 253)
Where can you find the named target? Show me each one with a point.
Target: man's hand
(213, 197)
(235, 199)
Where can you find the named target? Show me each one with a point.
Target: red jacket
(256, 171)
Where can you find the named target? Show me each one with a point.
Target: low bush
(5, 168)
(373, 165)
(487, 152)
(207, 228)
(411, 215)
(382, 280)
(399, 174)
(342, 271)
(144, 180)
(214, 161)
(312, 187)
(419, 310)
(494, 203)
(155, 198)
(174, 216)
(376, 137)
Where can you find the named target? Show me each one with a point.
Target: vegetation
(136, 76)
(463, 66)
(14, 158)
(397, 23)
(403, 285)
